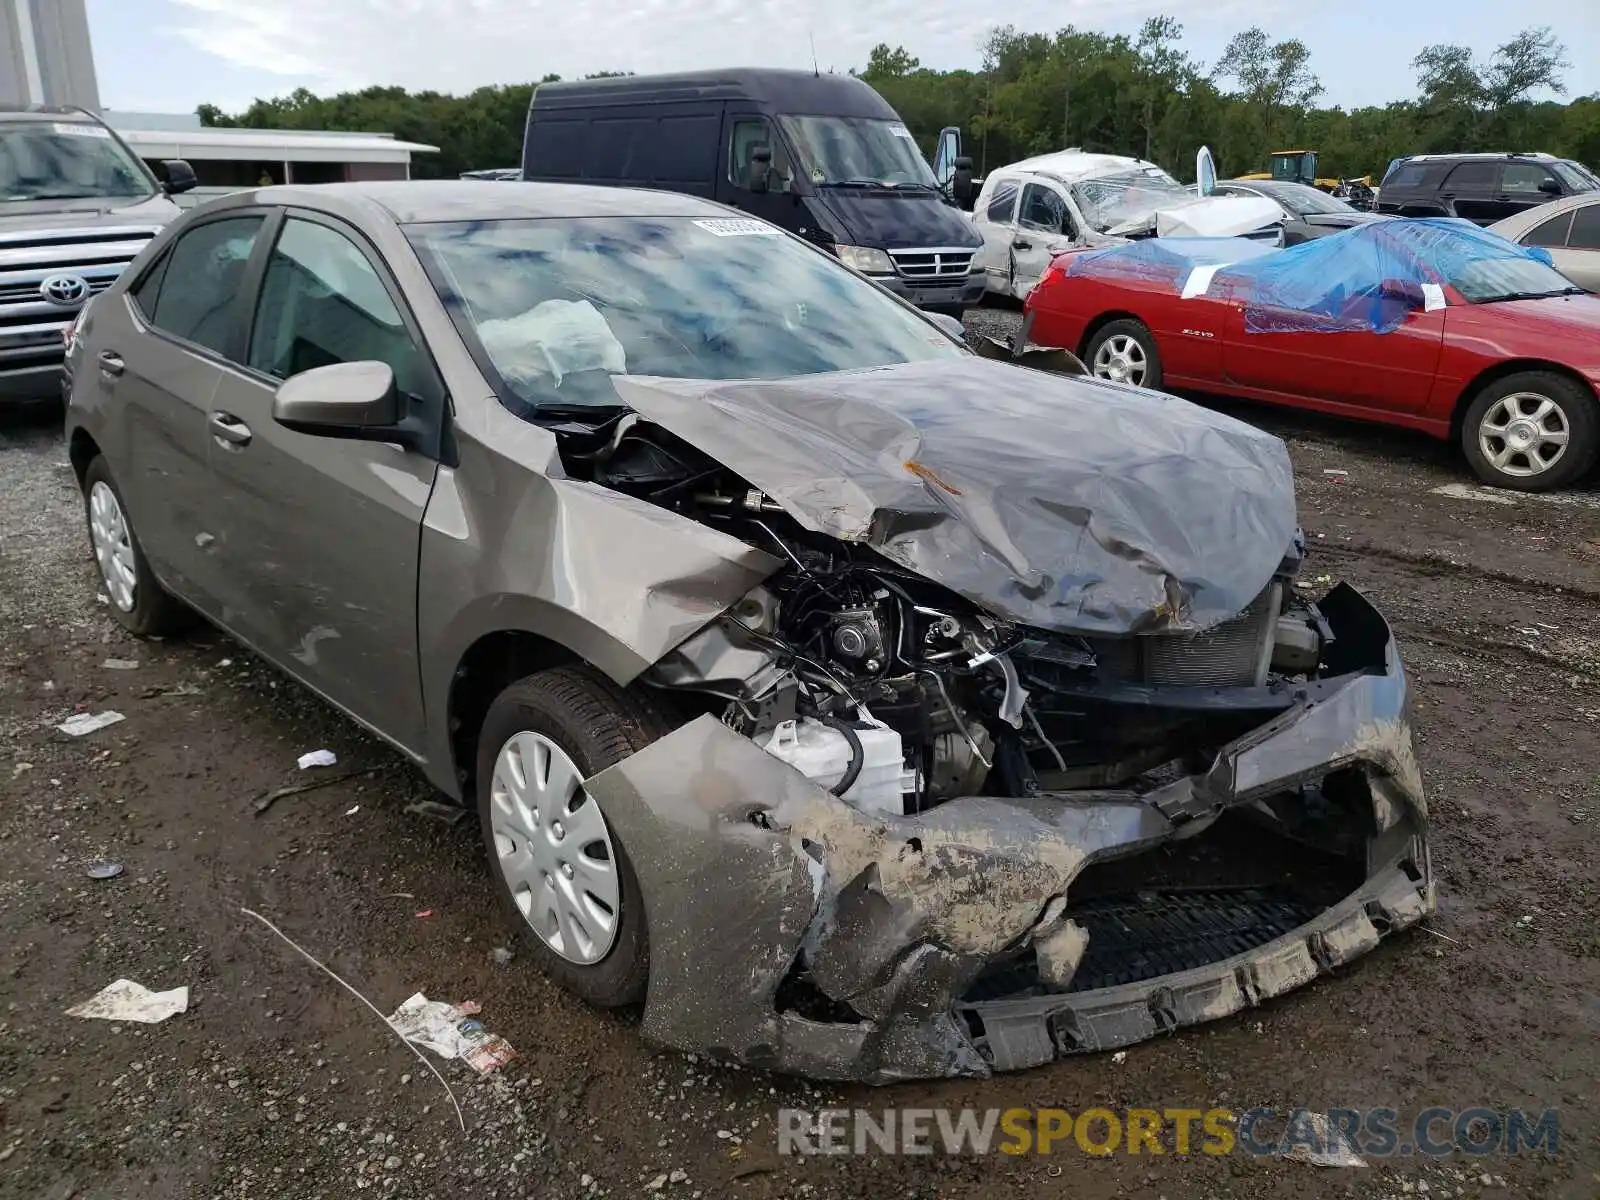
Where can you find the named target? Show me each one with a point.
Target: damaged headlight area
(896, 836)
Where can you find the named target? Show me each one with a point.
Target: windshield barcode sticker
(739, 227)
(80, 130)
(901, 131)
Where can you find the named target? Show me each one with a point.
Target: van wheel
(1125, 352)
(137, 600)
(1534, 431)
(560, 869)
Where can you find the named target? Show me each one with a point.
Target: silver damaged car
(863, 706)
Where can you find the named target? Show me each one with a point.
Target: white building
(46, 58)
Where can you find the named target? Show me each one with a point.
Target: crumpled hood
(1060, 502)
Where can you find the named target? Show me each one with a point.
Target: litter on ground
(121, 664)
(81, 723)
(126, 1000)
(318, 758)
(451, 1031)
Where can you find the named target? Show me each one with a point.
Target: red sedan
(1434, 325)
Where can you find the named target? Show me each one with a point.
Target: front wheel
(1534, 431)
(138, 601)
(1125, 352)
(559, 867)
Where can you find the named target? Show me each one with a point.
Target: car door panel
(1044, 229)
(322, 533)
(1383, 372)
(163, 368)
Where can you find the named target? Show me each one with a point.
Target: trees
(1035, 92)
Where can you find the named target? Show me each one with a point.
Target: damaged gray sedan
(866, 708)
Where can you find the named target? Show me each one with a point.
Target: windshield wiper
(852, 183)
(912, 184)
(1546, 295)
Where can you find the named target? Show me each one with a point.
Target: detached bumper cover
(747, 867)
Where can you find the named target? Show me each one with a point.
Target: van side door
(743, 129)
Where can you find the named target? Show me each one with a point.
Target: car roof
(1071, 165)
(1484, 156)
(410, 202)
(54, 114)
(783, 90)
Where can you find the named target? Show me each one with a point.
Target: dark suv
(1480, 187)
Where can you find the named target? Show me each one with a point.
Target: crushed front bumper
(793, 932)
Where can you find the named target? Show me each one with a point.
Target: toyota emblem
(65, 290)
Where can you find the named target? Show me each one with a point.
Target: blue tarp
(1362, 279)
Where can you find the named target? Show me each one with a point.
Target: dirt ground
(278, 1083)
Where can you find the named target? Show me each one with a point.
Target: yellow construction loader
(1300, 166)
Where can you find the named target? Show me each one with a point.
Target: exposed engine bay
(1019, 739)
(897, 694)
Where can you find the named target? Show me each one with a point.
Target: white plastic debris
(79, 724)
(1334, 471)
(451, 1031)
(318, 758)
(120, 664)
(126, 1000)
(1120, 1057)
(352, 811)
(1332, 1148)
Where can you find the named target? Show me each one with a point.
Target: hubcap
(1523, 434)
(113, 546)
(554, 849)
(1121, 359)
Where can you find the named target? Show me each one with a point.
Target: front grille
(1232, 654)
(1158, 933)
(30, 322)
(949, 263)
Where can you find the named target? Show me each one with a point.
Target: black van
(823, 156)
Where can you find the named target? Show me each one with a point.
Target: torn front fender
(748, 870)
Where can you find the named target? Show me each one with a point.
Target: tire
(595, 725)
(1514, 404)
(1115, 340)
(147, 609)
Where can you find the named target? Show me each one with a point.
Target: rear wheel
(1125, 352)
(560, 869)
(138, 602)
(1532, 432)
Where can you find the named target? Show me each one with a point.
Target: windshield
(560, 306)
(41, 160)
(858, 151)
(1304, 201)
(1576, 176)
(1489, 279)
(1110, 201)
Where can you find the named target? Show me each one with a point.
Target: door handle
(229, 430)
(1020, 244)
(111, 362)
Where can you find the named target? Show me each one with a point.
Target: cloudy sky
(170, 55)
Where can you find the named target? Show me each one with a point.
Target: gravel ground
(277, 1083)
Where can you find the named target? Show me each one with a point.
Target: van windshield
(858, 152)
(560, 306)
(46, 160)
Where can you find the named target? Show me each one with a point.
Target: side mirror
(180, 177)
(759, 178)
(1549, 187)
(949, 325)
(345, 400)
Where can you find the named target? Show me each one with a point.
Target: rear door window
(1002, 205)
(1549, 233)
(1585, 233)
(210, 259)
(1474, 177)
